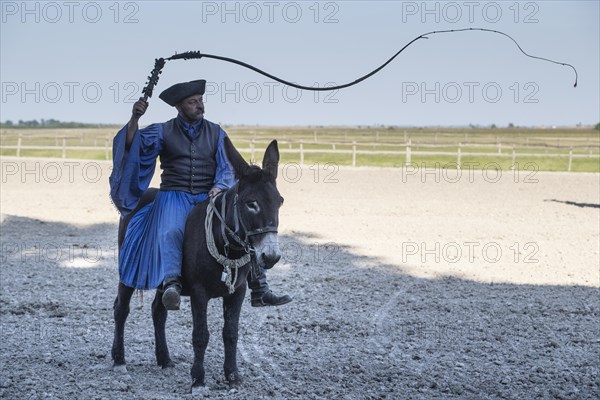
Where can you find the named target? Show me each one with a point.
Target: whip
(189, 55)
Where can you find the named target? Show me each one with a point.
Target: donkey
(225, 238)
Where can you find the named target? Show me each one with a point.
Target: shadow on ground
(357, 328)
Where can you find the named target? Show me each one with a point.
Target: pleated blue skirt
(153, 244)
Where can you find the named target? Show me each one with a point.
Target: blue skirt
(153, 244)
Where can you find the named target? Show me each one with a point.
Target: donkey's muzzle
(268, 252)
(269, 260)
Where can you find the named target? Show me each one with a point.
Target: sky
(88, 61)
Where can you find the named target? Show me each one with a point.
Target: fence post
(499, 148)
(301, 153)
(252, 150)
(64, 147)
(106, 149)
(407, 161)
(19, 141)
(333, 146)
(315, 136)
(459, 155)
(354, 153)
(514, 157)
(570, 158)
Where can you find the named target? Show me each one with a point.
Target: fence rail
(63, 148)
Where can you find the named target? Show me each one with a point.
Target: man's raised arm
(139, 109)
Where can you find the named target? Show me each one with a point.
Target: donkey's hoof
(234, 378)
(121, 368)
(168, 364)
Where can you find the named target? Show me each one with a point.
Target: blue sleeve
(133, 168)
(224, 176)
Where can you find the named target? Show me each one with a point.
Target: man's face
(191, 108)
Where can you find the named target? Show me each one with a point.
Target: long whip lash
(188, 55)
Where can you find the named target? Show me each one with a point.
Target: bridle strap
(245, 245)
(236, 207)
(260, 231)
(223, 234)
(236, 214)
(247, 232)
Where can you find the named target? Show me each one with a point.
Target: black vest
(189, 165)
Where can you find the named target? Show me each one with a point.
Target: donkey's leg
(200, 334)
(121, 311)
(231, 315)
(159, 318)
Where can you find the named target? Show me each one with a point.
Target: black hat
(180, 91)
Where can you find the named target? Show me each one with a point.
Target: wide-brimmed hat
(180, 91)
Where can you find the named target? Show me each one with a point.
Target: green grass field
(584, 142)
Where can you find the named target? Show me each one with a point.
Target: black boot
(261, 294)
(172, 291)
(268, 299)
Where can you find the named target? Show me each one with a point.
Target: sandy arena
(406, 286)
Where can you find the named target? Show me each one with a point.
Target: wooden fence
(406, 154)
(409, 152)
(62, 148)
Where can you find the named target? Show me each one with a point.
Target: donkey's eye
(253, 206)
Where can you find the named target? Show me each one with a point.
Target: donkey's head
(258, 202)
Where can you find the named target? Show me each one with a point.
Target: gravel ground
(405, 284)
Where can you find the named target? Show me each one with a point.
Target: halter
(240, 244)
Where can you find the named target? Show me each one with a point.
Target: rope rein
(160, 63)
(228, 264)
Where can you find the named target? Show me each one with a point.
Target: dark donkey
(224, 239)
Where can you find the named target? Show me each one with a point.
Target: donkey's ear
(271, 159)
(240, 166)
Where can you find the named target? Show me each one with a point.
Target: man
(194, 166)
